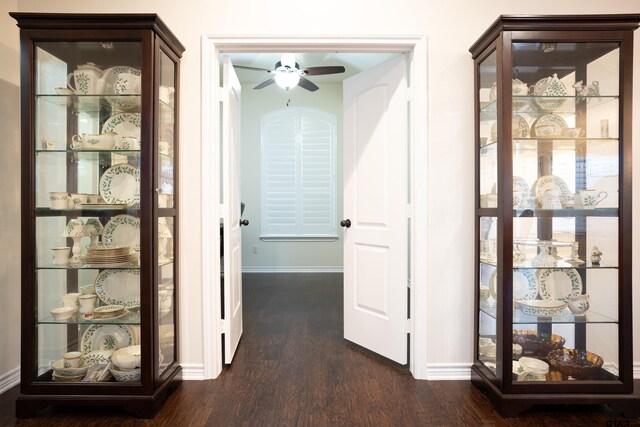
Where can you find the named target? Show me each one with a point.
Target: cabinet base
(144, 406)
(511, 405)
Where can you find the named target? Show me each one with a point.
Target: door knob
(244, 222)
(345, 223)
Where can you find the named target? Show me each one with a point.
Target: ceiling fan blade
(318, 71)
(307, 84)
(266, 83)
(251, 68)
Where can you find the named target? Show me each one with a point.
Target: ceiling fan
(287, 73)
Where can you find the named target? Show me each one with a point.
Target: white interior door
(232, 324)
(375, 203)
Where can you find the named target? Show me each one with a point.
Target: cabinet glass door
(86, 201)
(566, 163)
(487, 220)
(167, 190)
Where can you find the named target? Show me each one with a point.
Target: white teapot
(579, 304)
(87, 79)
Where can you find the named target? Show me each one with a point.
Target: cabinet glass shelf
(561, 264)
(565, 316)
(132, 317)
(527, 104)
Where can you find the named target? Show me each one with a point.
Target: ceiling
(352, 62)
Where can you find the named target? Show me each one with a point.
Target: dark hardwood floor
(293, 368)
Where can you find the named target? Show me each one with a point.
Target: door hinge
(407, 326)
(409, 93)
(224, 326)
(409, 211)
(220, 94)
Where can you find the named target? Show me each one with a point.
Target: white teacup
(87, 302)
(95, 141)
(572, 132)
(127, 143)
(544, 130)
(589, 198)
(76, 200)
(94, 198)
(59, 200)
(127, 84)
(71, 300)
(72, 359)
(61, 255)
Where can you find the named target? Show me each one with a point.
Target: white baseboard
(9, 380)
(192, 372)
(636, 371)
(285, 269)
(448, 371)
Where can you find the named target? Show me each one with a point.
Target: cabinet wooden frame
(150, 36)
(510, 396)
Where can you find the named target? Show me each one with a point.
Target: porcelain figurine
(596, 256)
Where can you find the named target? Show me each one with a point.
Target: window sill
(298, 238)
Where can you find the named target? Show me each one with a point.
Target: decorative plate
(525, 284)
(549, 182)
(105, 337)
(124, 124)
(519, 185)
(553, 88)
(110, 75)
(121, 184)
(541, 307)
(559, 283)
(119, 286)
(97, 357)
(549, 125)
(519, 128)
(122, 230)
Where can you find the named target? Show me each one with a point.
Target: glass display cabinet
(553, 211)
(99, 99)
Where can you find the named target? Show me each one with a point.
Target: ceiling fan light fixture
(287, 80)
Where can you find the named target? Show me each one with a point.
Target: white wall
(292, 256)
(451, 28)
(10, 205)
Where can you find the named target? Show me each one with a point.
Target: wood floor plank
(293, 368)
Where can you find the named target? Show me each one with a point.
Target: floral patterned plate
(519, 185)
(119, 286)
(525, 284)
(560, 283)
(549, 182)
(122, 230)
(97, 357)
(549, 125)
(106, 337)
(121, 184)
(550, 93)
(124, 124)
(519, 128)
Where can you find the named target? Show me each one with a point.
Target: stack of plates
(108, 311)
(60, 373)
(107, 255)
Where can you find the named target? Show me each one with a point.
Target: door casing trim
(215, 45)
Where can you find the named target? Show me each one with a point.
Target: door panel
(375, 200)
(231, 210)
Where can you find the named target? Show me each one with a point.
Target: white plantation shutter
(298, 173)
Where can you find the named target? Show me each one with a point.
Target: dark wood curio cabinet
(99, 106)
(553, 289)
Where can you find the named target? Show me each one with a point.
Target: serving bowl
(541, 307)
(62, 313)
(534, 344)
(107, 311)
(60, 370)
(133, 375)
(126, 358)
(579, 364)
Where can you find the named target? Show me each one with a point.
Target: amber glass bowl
(535, 344)
(579, 364)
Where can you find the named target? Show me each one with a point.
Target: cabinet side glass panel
(87, 195)
(488, 132)
(166, 224)
(565, 211)
(488, 292)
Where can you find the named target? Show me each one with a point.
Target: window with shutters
(298, 174)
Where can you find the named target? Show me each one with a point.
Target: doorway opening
(215, 48)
